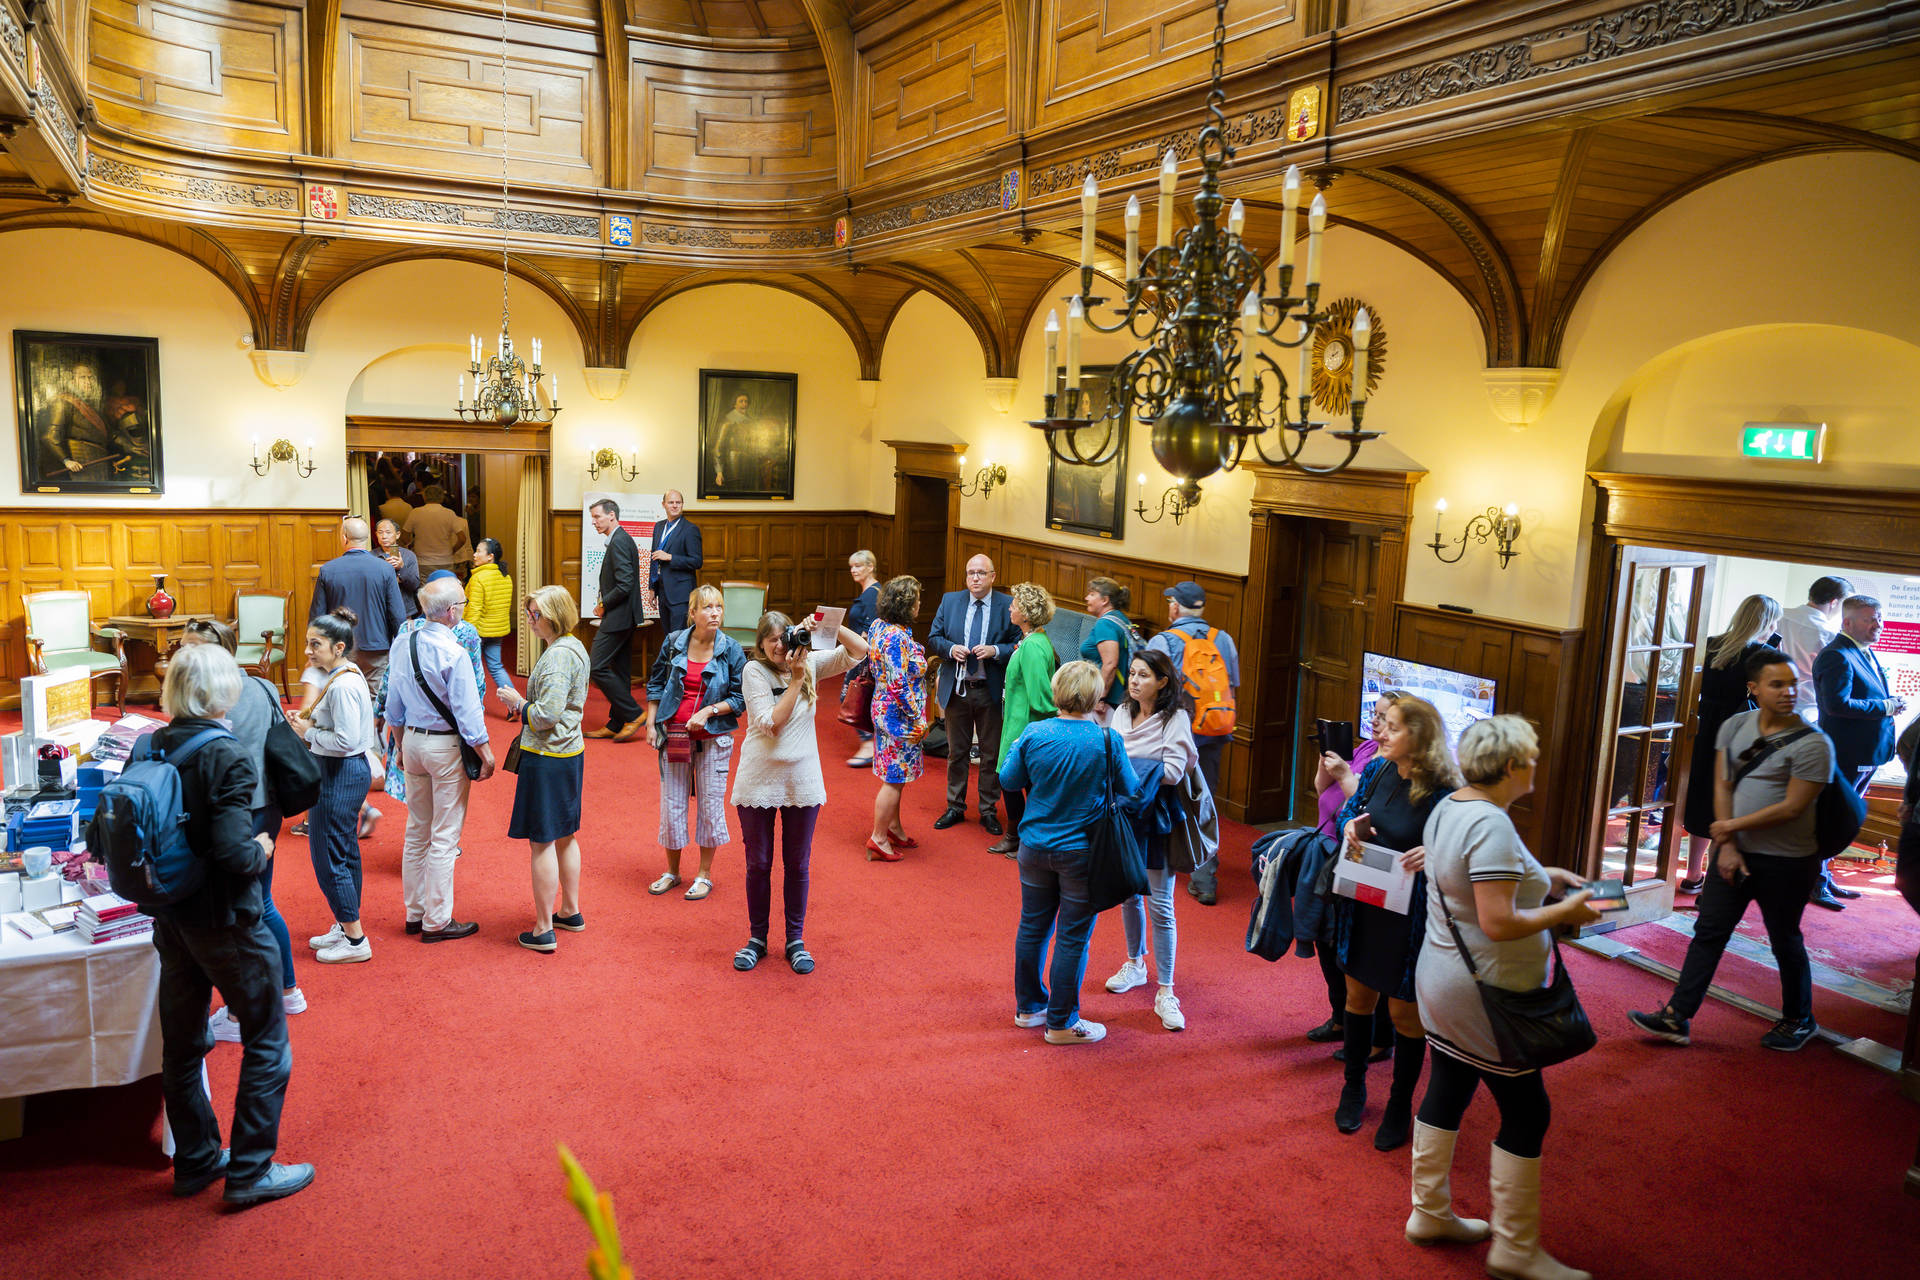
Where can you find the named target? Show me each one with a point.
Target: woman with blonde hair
(1723, 694)
(779, 778)
(696, 678)
(1028, 695)
(546, 791)
(865, 572)
(899, 711)
(1377, 949)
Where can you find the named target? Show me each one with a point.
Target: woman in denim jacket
(696, 679)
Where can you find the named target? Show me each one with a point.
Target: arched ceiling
(721, 19)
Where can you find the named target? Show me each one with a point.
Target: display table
(162, 635)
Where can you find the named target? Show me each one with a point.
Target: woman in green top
(1028, 696)
(1109, 645)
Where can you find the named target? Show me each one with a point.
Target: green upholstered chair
(260, 631)
(60, 634)
(745, 602)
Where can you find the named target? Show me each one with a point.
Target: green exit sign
(1784, 441)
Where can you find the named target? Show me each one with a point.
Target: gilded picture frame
(88, 413)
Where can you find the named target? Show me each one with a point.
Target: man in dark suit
(619, 614)
(974, 632)
(676, 562)
(1857, 708)
(366, 584)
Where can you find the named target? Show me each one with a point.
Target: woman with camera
(899, 711)
(1481, 876)
(696, 677)
(552, 772)
(779, 774)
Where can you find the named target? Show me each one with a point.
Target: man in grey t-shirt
(1770, 769)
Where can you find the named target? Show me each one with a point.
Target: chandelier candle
(1362, 339)
(1249, 330)
(1133, 236)
(1053, 344)
(1289, 215)
(1163, 215)
(1089, 203)
(1316, 225)
(1076, 314)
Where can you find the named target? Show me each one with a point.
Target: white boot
(1516, 1252)
(1433, 1221)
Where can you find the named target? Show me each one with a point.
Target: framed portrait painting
(89, 413)
(1090, 500)
(746, 434)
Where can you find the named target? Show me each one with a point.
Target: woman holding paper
(1377, 948)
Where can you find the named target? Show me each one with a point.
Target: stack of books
(53, 823)
(107, 916)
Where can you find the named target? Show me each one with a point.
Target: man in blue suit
(365, 584)
(676, 562)
(1857, 708)
(976, 635)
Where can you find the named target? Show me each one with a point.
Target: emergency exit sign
(1784, 441)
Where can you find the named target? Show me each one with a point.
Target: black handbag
(1116, 868)
(292, 774)
(469, 754)
(1532, 1029)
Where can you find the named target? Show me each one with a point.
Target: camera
(797, 638)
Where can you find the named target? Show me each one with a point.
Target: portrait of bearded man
(86, 420)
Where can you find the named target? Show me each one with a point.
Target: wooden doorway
(926, 511)
(1339, 607)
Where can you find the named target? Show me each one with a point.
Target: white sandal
(699, 889)
(664, 883)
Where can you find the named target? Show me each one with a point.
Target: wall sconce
(282, 450)
(607, 460)
(1176, 501)
(988, 476)
(1502, 526)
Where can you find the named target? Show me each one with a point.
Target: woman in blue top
(1062, 766)
(865, 572)
(1109, 645)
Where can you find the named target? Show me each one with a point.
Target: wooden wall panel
(1537, 670)
(935, 89)
(113, 555)
(219, 71)
(761, 133)
(1098, 54)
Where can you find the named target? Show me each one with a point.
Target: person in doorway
(1807, 629)
(358, 580)
(490, 610)
(675, 562)
(864, 570)
(405, 565)
(339, 732)
(1770, 766)
(696, 679)
(1906, 873)
(1857, 707)
(973, 632)
(899, 711)
(395, 781)
(1028, 696)
(1723, 693)
(395, 509)
(1109, 643)
(1211, 675)
(438, 535)
(619, 614)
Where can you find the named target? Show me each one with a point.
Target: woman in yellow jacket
(490, 608)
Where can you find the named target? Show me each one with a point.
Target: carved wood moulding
(1809, 523)
(13, 40)
(1143, 154)
(179, 186)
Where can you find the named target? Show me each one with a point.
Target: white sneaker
(321, 941)
(1036, 1019)
(346, 952)
(1081, 1032)
(224, 1026)
(1167, 1006)
(1130, 975)
(295, 1001)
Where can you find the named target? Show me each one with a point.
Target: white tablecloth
(74, 1015)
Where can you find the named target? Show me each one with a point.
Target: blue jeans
(268, 820)
(1053, 888)
(1133, 913)
(490, 657)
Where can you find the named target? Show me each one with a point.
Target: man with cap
(1212, 678)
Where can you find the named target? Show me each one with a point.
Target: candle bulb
(1133, 237)
(556, 391)
(463, 388)
(1237, 218)
(1362, 343)
(1316, 224)
(1289, 212)
(1089, 202)
(1249, 330)
(1439, 509)
(1141, 481)
(1053, 345)
(1075, 315)
(1163, 216)
(1306, 369)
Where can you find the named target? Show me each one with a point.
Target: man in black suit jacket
(366, 584)
(974, 632)
(1857, 707)
(619, 614)
(676, 562)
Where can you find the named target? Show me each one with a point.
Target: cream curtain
(357, 485)
(530, 551)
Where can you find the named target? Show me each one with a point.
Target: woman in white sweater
(339, 731)
(779, 774)
(1156, 726)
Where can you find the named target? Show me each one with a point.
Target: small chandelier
(1203, 382)
(505, 389)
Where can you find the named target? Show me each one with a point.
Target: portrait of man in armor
(746, 434)
(88, 413)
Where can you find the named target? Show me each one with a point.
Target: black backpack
(1838, 813)
(139, 828)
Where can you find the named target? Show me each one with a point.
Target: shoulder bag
(1532, 1029)
(856, 697)
(1116, 868)
(1838, 812)
(292, 774)
(469, 754)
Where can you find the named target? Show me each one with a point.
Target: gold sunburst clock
(1333, 356)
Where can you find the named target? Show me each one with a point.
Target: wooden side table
(162, 635)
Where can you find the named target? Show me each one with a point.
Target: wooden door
(1340, 598)
(924, 529)
(1270, 675)
(1657, 624)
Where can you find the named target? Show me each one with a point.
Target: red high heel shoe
(884, 855)
(903, 840)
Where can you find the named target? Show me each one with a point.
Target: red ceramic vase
(160, 604)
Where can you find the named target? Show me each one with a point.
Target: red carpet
(884, 1118)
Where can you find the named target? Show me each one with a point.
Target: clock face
(1334, 356)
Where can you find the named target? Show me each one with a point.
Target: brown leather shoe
(628, 732)
(600, 733)
(1006, 846)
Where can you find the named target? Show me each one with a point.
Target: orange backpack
(1204, 672)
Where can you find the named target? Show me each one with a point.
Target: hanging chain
(505, 208)
(1217, 93)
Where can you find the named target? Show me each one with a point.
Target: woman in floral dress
(899, 711)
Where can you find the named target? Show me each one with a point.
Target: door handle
(1358, 604)
(1306, 666)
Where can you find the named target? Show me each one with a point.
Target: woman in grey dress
(1478, 869)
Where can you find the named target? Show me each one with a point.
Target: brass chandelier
(505, 389)
(1203, 381)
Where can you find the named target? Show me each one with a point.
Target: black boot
(1353, 1097)
(1409, 1055)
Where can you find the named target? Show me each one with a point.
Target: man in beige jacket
(438, 536)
